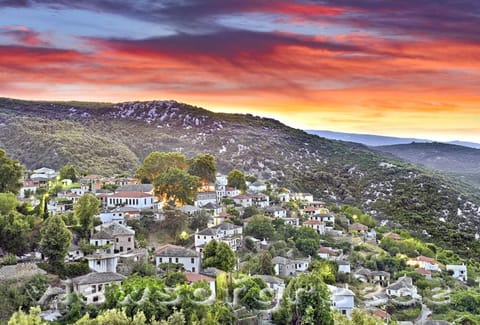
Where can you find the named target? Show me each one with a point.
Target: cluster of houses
(115, 249)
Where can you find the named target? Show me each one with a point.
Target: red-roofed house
(328, 253)
(316, 225)
(195, 277)
(358, 227)
(424, 262)
(426, 273)
(392, 235)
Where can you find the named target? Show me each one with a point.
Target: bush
(9, 259)
(74, 269)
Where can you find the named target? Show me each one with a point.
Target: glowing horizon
(389, 68)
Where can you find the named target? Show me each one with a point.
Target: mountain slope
(458, 160)
(366, 139)
(105, 138)
(380, 140)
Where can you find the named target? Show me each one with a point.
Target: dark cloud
(230, 45)
(453, 19)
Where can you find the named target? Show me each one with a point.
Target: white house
(459, 271)
(190, 259)
(343, 267)
(78, 191)
(424, 262)
(243, 200)
(224, 232)
(301, 197)
(190, 209)
(257, 187)
(288, 267)
(342, 300)
(402, 287)
(104, 259)
(284, 197)
(138, 200)
(204, 198)
(295, 222)
(260, 200)
(323, 215)
(112, 216)
(29, 187)
(276, 212)
(92, 285)
(329, 253)
(316, 225)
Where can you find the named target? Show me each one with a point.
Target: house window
(160, 260)
(98, 262)
(192, 260)
(169, 260)
(129, 239)
(193, 269)
(94, 289)
(121, 248)
(95, 299)
(116, 239)
(100, 287)
(96, 243)
(176, 259)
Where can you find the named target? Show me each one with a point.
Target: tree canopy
(203, 166)
(55, 240)
(306, 300)
(68, 172)
(260, 227)
(177, 186)
(219, 255)
(237, 179)
(158, 163)
(87, 207)
(11, 171)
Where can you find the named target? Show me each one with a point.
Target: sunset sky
(399, 67)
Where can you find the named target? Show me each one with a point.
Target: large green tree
(11, 172)
(157, 163)
(87, 207)
(203, 166)
(68, 172)
(8, 203)
(260, 227)
(14, 232)
(55, 241)
(177, 186)
(306, 300)
(219, 255)
(237, 179)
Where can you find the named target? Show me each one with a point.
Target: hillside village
(245, 243)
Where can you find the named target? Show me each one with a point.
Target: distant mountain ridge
(106, 138)
(380, 140)
(458, 160)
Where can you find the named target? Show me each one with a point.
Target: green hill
(107, 138)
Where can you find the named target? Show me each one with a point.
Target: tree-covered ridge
(106, 138)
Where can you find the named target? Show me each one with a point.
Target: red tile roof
(422, 258)
(357, 227)
(135, 195)
(194, 277)
(392, 235)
